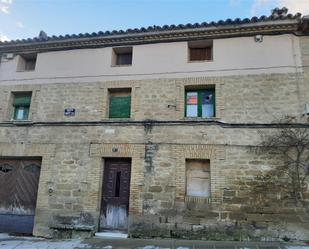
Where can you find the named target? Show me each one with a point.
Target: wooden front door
(19, 179)
(115, 194)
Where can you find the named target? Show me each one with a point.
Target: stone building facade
(187, 173)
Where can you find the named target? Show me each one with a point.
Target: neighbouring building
(149, 130)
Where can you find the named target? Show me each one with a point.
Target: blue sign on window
(69, 112)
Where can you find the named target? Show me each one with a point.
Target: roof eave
(224, 31)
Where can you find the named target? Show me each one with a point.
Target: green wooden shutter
(22, 100)
(199, 101)
(120, 107)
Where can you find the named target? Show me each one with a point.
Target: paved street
(10, 242)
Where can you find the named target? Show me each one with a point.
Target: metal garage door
(19, 180)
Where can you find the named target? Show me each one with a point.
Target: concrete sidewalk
(11, 242)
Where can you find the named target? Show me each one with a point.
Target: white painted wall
(232, 56)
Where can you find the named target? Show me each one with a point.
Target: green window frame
(120, 106)
(21, 105)
(200, 103)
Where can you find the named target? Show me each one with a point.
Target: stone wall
(70, 185)
(239, 99)
(158, 205)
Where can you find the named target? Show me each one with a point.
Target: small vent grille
(195, 199)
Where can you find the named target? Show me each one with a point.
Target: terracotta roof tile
(277, 14)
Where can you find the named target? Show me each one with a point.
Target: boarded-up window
(122, 56)
(200, 50)
(120, 103)
(21, 105)
(198, 178)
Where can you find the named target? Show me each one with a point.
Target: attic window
(200, 50)
(122, 56)
(27, 62)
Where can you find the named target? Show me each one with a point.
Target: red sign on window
(192, 100)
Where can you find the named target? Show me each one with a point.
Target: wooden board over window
(120, 103)
(200, 50)
(198, 178)
(200, 54)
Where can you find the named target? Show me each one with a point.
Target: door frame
(46, 153)
(99, 151)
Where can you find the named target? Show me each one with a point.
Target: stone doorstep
(112, 234)
(72, 227)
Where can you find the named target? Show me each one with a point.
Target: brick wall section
(213, 153)
(134, 151)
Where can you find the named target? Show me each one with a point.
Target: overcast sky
(25, 18)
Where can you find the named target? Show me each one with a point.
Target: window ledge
(124, 65)
(200, 61)
(197, 199)
(200, 119)
(20, 122)
(118, 119)
(25, 71)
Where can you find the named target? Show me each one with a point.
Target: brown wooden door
(19, 179)
(115, 194)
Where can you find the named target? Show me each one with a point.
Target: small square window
(200, 50)
(27, 62)
(200, 103)
(122, 56)
(120, 103)
(21, 105)
(198, 178)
